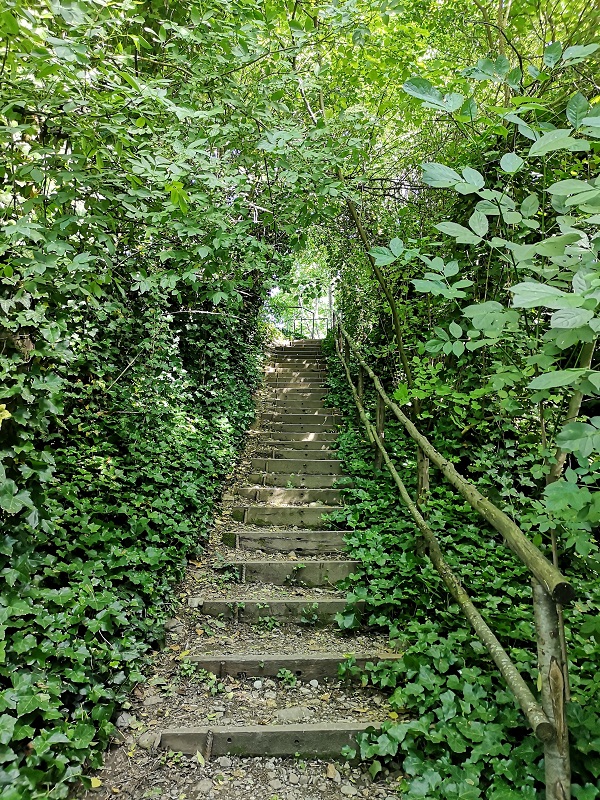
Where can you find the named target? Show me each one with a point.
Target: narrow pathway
(246, 702)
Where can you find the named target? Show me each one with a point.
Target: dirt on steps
(183, 704)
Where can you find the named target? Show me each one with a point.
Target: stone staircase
(279, 513)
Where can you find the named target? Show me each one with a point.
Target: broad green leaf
(422, 89)
(461, 234)
(9, 23)
(570, 318)
(439, 175)
(511, 162)
(555, 245)
(455, 330)
(552, 54)
(382, 256)
(577, 109)
(531, 294)
(557, 140)
(579, 437)
(578, 53)
(530, 206)
(514, 78)
(397, 247)
(478, 222)
(569, 186)
(473, 177)
(554, 380)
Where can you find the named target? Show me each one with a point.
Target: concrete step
(290, 382)
(297, 394)
(299, 362)
(310, 573)
(286, 497)
(291, 406)
(306, 740)
(301, 516)
(297, 446)
(318, 420)
(301, 425)
(302, 436)
(310, 542)
(294, 466)
(294, 481)
(312, 666)
(289, 450)
(294, 370)
(312, 610)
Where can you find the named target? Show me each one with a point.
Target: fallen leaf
(393, 715)
(96, 783)
(200, 758)
(325, 697)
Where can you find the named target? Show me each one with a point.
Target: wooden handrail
(541, 725)
(553, 581)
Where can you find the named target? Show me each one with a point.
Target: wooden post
(552, 673)
(361, 383)
(379, 428)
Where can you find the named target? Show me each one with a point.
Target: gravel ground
(136, 774)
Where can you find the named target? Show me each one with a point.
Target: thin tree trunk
(552, 671)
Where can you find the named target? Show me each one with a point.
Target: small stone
(270, 684)
(294, 714)
(258, 684)
(153, 700)
(124, 720)
(348, 790)
(303, 780)
(224, 762)
(275, 784)
(173, 623)
(293, 779)
(333, 774)
(314, 684)
(149, 740)
(204, 786)
(271, 695)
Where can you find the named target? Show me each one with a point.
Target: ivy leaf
(7, 727)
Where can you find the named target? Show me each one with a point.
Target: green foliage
(287, 677)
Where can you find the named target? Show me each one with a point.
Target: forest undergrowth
(455, 728)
